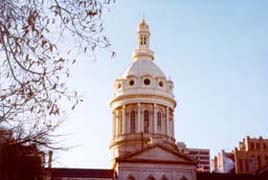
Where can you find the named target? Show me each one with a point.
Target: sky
(215, 52)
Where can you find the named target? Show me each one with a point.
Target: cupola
(142, 51)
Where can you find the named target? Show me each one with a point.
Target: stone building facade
(202, 156)
(248, 158)
(143, 144)
(223, 162)
(251, 155)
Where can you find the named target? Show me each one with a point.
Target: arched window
(150, 178)
(130, 177)
(132, 122)
(144, 40)
(120, 122)
(146, 121)
(183, 178)
(159, 121)
(164, 178)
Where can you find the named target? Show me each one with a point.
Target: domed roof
(141, 68)
(143, 26)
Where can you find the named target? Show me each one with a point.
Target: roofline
(153, 146)
(156, 161)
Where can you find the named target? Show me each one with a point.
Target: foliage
(33, 70)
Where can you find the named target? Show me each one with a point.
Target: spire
(142, 50)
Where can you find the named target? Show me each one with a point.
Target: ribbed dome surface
(141, 68)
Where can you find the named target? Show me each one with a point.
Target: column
(167, 121)
(124, 119)
(114, 119)
(172, 124)
(155, 118)
(116, 123)
(139, 118)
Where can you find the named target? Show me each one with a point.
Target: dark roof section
(225, 176)
(82, 173)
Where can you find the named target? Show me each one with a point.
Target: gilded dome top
(143, 25)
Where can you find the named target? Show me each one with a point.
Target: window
(252, 146)
(204, 153)
(159, 123)
(258, 146)
(259, 162)
(118, 85)
(132, 121)
(171, 115)
(183, 178)
(150, 178)
(120, 122)
(161, 83)
(131, 82)
(130, 178)
(144, 40)
(264, 146)
(240, 161)
(204, 158)
(247, 165)
(146, 121)
(266, 160)
(193, 152)
(164, 178)
(146, 81)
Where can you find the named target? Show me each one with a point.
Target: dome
(142, 102)
(143, 26)
(142, 68)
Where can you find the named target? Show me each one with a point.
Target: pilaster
(167, 121)
(139, 118)
(155, 118)
(124, 119)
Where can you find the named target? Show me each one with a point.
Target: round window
(131, 82)
(161, 83)
(146, 81)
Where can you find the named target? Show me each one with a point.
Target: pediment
(158, 153)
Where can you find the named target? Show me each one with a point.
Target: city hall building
(143, 145)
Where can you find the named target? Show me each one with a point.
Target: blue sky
(214, 51)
